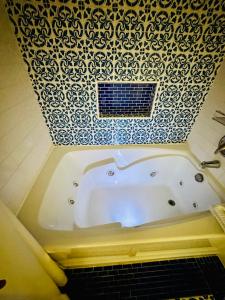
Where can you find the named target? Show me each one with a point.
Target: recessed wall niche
(125, 99)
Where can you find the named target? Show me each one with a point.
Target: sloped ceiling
(68, 45)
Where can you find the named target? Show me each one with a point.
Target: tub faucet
(221, 146)
(210, 164)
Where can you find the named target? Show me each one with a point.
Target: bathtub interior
(128, 187)
(141, 193)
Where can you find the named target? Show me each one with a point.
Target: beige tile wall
(24, 139)
(206, 133)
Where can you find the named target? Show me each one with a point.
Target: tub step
(99, 256)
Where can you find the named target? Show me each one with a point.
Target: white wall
(206, 133)
(24, 139)
(26, 277)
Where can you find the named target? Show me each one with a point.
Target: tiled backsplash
(69, 45)
(125, 99)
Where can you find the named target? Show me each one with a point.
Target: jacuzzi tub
(129, 187)
(125, 217)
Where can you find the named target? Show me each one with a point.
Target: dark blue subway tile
(123, 99)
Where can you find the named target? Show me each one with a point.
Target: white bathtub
(142, 183)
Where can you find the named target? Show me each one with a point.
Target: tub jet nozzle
(110, 173)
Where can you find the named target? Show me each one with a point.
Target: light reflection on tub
(131, 187)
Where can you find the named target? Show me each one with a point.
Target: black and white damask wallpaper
(68, 45)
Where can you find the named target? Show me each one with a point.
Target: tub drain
(171, 202)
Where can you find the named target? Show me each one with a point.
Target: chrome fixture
(221, 146)
(110, 173)
(171, 202)
(199, 177)
(195, 204)
(153, 173)
(210, 164)
(71, 201)
(219, 117)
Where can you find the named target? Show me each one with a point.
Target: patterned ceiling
(68, 45)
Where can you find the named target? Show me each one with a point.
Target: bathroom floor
(173, 279)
